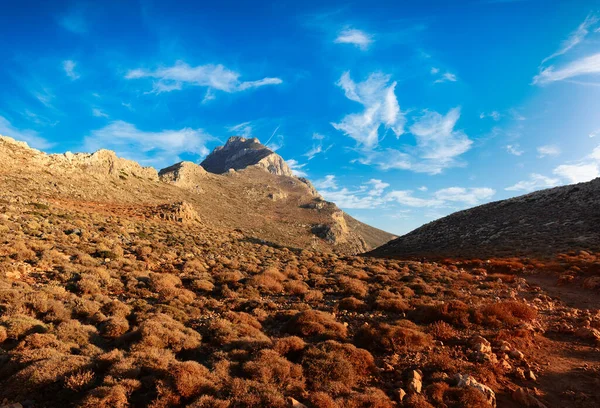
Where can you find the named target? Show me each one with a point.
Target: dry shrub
(352, 303)
(353, 287)
(289, 345)
(313, 323)
(162, 331)
(3, 334)
(455, 312)
(403, 336)
(250, 393)
(165, 284)
(296, 287)
(269, 367)
(80, 380)
(106, 397)
(239, 329)
(190, 378)
(391, 302)
(202, 285)
(116, 308)
(208, 401)
(369, 398)
(321, 400)
(266, 283)
(510, 313)
(442, 331)
(114, 327)
(75, 332)
(417, 401)
(334, 367)
(465, 397)
(313, 296)
(17, 326)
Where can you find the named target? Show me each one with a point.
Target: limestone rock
(468, 381)
(239, 153)
(184, 174)
(526, 398)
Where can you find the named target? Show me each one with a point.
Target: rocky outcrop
(184, 174)
(103, 162)
(543, 224)
(239, 153)
(337, 232)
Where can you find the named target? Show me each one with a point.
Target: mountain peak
(239, 153)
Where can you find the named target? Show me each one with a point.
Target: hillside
(257, 199)
(541, 224)
(121, 286)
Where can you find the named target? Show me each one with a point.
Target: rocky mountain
(261, 197)
(541, 224)
(239, 153)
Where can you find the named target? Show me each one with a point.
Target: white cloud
(381, 109)
(583, 66)
(99, 113)
(469, 196)
(406, 198)
(447, 77)
(578, 173)
(317, 146)
(371, 195)
(326, 183)
(150, 148)
(434, 70)
(576, 37)
(594, 133)
(32, 137)
(296, 168)
(514, 150)
(437, 139)
(69, 67)
(493, 114)
(377, 187)
(213, 77)
(241, 129)
(548, 150)
(356, 37)
(535, 182)
(422, 188)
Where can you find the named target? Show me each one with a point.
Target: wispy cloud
(356, 37)
(241, 129)
(548, 150)
(438, 146)
(213, 77)
(493, 114)
(575, 37)
(317, 147)
(381, 109)
(515, 150)
(296, 168)
(584, 66)
(446, 77)
(99, 113)
(579, 172)
(372, 195)
(159, 149)
(535, 182)
(32, 137)
(69, 68)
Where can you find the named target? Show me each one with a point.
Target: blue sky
(400, 112)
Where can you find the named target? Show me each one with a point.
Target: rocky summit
(239, 153)
(541, 224)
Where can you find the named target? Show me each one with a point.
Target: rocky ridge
(239, 153)
(541, 224)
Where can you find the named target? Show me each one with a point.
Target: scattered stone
(401, 394)
(415, 384)
(516, 354)
(468, 381)
(294, 403)
(526, 398)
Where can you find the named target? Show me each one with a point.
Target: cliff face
(543, 223)
(102, 162)
(185, 175)
(239, 153)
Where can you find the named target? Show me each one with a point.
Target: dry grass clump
(401, 336)
(289, 345)
(314, 323)
(190, 378)
(268, 367)
(509, 313)
(80, 380)
(335, 367)
(352, 303)
(353, 287)
(18, 326)
(162, 331)
(391, 302)
(442, 331)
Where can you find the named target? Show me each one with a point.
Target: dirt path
(569, 374)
